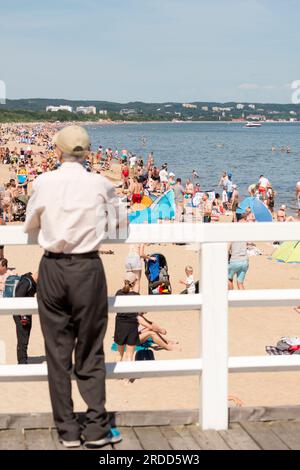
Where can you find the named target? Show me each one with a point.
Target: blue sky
(150, 50)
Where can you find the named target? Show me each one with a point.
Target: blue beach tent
(260, 211)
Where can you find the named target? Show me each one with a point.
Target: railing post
(214, 411)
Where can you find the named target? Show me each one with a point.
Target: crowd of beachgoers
(27, 151)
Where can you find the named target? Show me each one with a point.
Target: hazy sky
(150, 50)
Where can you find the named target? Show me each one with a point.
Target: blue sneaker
(113, 437)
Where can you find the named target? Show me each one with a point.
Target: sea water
(211, 148)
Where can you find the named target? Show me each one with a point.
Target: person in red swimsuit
(125, 176)
(136, 191)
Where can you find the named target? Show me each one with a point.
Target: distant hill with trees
(26, 110)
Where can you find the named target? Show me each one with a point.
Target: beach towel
(148, 344)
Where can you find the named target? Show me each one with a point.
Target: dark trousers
(72, 300)
(23, 335)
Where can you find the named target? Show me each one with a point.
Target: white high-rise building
(86, 109)
(189, 106)
(55, 109)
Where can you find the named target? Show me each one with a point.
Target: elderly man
(69, 206)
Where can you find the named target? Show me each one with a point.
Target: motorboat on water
(253, 124)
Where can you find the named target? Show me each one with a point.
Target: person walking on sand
(179, 199)
(71, 291)
(239, 261)
(235, 202)
(133, 262)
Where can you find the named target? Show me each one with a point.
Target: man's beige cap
(73, 140)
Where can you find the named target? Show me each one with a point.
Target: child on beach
(189, 282)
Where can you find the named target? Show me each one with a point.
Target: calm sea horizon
(211, 149)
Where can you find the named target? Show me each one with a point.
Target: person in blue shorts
(238, 261)
(229, 188)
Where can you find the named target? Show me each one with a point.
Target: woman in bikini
(125, 176)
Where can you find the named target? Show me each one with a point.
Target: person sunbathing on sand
(148, 329)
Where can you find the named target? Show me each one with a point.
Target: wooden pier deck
(36, 432)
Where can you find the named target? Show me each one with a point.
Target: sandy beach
(250, 331)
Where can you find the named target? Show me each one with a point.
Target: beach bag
(145, 355)
(11, 285)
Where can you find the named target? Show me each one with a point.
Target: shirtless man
(207, 209)
(137, 192)
(150, 163)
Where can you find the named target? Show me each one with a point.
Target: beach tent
(163, 208)
(146, 202)
(260, 211)
(288, 252)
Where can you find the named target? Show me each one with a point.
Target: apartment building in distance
(86, 110)
(189, 106)
(55, 109)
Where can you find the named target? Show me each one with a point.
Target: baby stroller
(19, 210)
(158, 275)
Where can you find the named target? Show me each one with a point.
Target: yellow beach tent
(288, 252)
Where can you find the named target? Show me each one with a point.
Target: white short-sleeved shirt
(133, 161)
(73, 210)
(264, 182)
(191, 289)
(164, 175)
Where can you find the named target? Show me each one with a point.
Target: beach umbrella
(163, 208)
(288, 252)
(260, 211)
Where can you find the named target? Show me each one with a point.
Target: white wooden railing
(213, 301)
